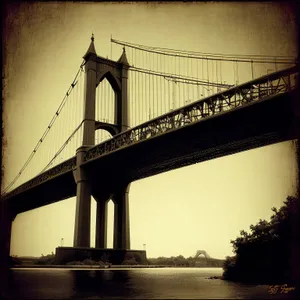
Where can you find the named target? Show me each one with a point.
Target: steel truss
(252, 91)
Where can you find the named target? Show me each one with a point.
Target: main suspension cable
(211, 56)
(62, 104)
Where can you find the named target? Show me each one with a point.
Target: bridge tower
(96, 69)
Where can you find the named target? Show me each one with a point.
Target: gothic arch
(115, 85)
(112, 79)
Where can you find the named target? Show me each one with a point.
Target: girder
(60, 169)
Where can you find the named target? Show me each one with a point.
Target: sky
(200, 207)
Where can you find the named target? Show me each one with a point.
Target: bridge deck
(265, 110)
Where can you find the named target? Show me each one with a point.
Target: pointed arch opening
(105, 102)
(105, 109)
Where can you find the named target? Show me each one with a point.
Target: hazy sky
(203, 206)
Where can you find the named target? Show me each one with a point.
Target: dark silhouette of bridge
(235, 118)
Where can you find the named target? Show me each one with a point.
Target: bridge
(139, 120)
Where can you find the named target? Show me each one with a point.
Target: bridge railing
(255, 90)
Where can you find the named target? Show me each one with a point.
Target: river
(130, 283)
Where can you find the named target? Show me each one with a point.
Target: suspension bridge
(153, 110)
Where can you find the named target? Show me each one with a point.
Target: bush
(131, 261)
(14, 261)
(86, 262)
(46, 260)
(72, 263)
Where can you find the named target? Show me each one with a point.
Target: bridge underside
(258, 124)
(54, 190)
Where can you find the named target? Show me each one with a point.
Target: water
(146, 283)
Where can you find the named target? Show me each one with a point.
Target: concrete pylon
(121, 218)
(96, 69)
(7, 216)
(83, 193)
(101, 224)
(101, 219)
(122, 103)
(6, 219)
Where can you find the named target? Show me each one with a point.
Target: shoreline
(98, 266)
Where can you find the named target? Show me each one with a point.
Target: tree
(263, 255)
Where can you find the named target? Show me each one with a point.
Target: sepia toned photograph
(150, 150)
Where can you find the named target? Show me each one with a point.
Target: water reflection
(165, 283)
(103, 283)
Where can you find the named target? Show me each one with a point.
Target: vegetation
(172, 261)
(14, 261)
(181, 261)
(132, 259)
(46, 260)
(263, 255)
(86, 262)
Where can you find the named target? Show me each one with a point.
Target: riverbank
(88, 266)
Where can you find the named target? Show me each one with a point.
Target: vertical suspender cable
(69, 123)
(219, 73)
(149, 102)
(237, 72)
(156, 113)
(136, 87)
(101, 103)
(152, 90)
(144, 78)
(207, 76)
(111, 104)
(198, 87)
(78, 103)
(161, 88)
(234, 76)
(141, 78)
(189, 74)
(202, 76)
(132, 92)
(184, 92)
(140, 92)
(179, 87)
(169, 106)
(104, 99)
(217, 77)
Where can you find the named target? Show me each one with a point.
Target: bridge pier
(101, 221)
(7, 218)
(83, 192)
(96, 69)
(121, 218)
(83, 203)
